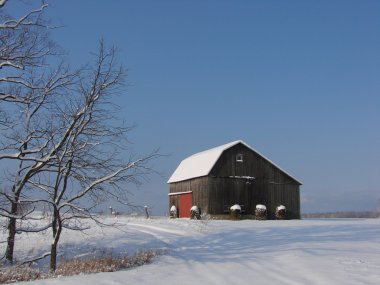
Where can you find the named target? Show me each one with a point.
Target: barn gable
(201, 164)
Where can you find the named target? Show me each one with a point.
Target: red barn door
(185, 204)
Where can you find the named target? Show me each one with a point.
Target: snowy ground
(340, 251)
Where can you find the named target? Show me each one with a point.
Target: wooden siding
(287, 195)
(199, 188)
(270, 187)
(225, 192)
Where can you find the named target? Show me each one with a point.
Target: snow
(235, 207)
(200, 164)
(173, 209)
(243, 177)
(261, 207)
(194, 208)
(330, 251)
(281, 207)
(179, 193)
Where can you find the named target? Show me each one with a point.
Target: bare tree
(26, 143)
(60, 131)
(90, 166)
(28, 86)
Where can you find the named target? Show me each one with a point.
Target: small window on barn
(239, 157)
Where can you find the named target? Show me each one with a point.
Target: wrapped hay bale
(173, 212)
(235, 212)
(280, 212)
(195, 213)
(260, 212)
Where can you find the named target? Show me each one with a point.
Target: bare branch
(34, 229)
(30, 261)
(25, 20)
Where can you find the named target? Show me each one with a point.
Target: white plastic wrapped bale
(261, 207)
(235, 212)
(195, 213)
(235, 207)
(194, 208)
(173, 212)
(281, 207)
(280, 212)
(260, 212)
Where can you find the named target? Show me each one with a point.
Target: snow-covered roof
(201, 163)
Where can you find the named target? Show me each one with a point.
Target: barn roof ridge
(201, 163)
(218, 149)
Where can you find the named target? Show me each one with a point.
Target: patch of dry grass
(108, 263)
(18, 274)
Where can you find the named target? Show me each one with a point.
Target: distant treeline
(348, 214)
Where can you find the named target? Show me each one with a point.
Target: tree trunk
(53, 256)
(54, 224)
(11, 233)
(54, 246)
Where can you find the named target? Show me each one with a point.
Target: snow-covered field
(340, 251)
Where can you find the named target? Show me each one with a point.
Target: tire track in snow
(158, 229)
(164, 235)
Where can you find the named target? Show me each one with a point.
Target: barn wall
(271, 186)
(225, 192)
(199, 188)
(287, 195)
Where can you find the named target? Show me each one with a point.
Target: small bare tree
(90, 167)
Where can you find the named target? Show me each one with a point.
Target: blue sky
(297, 80)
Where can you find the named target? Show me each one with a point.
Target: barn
(233, 173)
